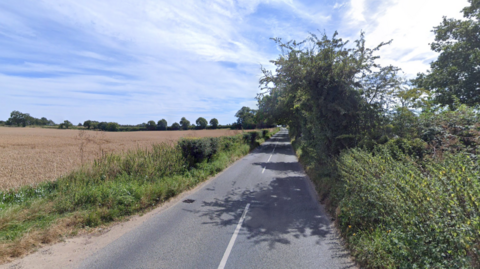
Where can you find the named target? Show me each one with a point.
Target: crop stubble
(33, 155)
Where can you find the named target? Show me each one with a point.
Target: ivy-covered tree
(456, 73)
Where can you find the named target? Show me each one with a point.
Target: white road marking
(269, 158)
(232, 241)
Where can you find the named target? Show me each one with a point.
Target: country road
(259, 213)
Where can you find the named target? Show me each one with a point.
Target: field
(33, 155)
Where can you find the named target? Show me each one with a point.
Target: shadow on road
(279, 213)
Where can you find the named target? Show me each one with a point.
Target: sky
(131, 61)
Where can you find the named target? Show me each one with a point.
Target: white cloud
(408, 22)
(132, 61)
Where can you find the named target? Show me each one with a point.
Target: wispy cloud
(132, 61)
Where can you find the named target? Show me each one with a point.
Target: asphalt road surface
(259, 213)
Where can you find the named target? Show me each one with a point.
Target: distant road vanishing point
(261, 212)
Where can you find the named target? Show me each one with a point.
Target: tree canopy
(175, 126)
(246, 117)
(151, 125)
(162, 124)
(184, 123)
(328, 93)
(214, 123)
(201, 123)
(456, 73)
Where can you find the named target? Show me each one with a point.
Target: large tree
(151, 125)
(87, 124)
(201, 123)
(214, 123)
(175, 126)
(329, 93)
(455, 75)
(162, 124)
(246, 117)
(184, 123)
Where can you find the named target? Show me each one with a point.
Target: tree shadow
(279, 213)
(281, 166)
(279, 209)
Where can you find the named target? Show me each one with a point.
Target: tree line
(247, 118)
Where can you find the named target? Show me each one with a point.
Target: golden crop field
(33, 155)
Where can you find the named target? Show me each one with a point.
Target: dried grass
(33, 155)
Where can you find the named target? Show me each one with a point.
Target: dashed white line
(269, 158)
(232, 241)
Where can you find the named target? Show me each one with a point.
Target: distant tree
(201, 123)
(66, 124)
(151, 125)
(175, 126)
(102, 125)
(43, 121)
(87, 124)
(185, 123)
(214, 123)
(246, 117)
(112, 127)
(80, 124)
(17, 118)
(162, 124)
(2, 123)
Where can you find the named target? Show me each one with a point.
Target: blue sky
(139, 60)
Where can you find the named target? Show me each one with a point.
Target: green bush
(195, 150)
(415, 147)
(401, 212)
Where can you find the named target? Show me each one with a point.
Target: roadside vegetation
(395, 161)
(112, 187)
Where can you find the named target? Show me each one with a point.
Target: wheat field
(32, 155)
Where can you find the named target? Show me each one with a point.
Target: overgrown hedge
(408, 202)
(196, 150)
(399, 211)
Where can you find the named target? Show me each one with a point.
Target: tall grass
(112, 187)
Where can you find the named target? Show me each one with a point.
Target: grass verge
(111, 188)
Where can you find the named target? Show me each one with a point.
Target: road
(261, 212)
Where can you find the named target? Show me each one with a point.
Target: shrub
(196, 150)
(401, 212)
(416, 147)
